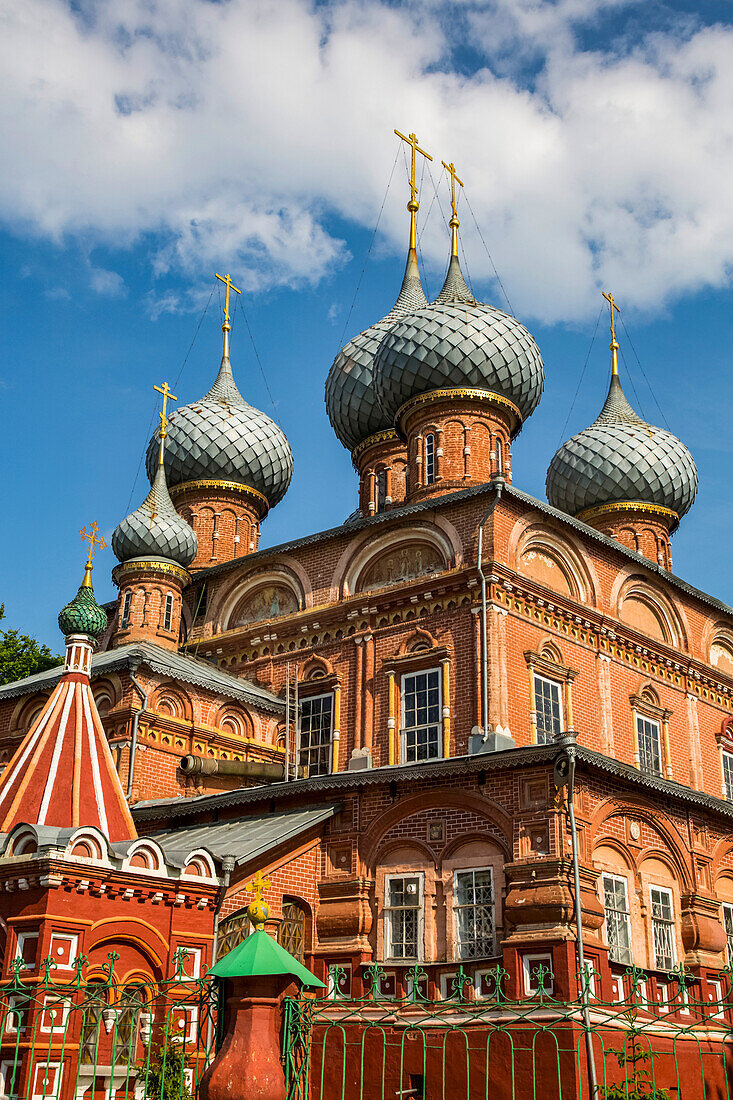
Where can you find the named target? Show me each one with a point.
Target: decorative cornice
(213, 484)
(144, 565)
(389, 435)
(463, 393)
(589, 514)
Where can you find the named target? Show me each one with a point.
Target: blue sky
(149, 144)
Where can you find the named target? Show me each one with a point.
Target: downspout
(497, 484)
(227, 866)
(135, 721)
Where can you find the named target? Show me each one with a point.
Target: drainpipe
(497, 485)
(135, 720)
(227, 866)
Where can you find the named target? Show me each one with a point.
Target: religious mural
(264, 603)
(401, 564)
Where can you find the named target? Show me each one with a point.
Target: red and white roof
(63, 775)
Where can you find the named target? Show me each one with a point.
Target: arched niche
(649, 612)
(549, 558)
(265, 595)
(396, 557)
(721, 653)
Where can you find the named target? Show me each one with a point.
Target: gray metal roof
(188, 670)
(621, 458)
(223, 437)
(155, 529)
(245, 838)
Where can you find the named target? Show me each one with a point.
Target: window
(381, 490)
(728, 775)
(291, 933)
(126, 608)
(316, 721)
(168, 613)
(662, 928)
(232, 931)
(95, 1002)
(429, 459)
(548, 708)
(716, 998)
(537, 969)
(618, 925)
(474, 913)
(650, 753)
(499, 458)
(728, 925)
(421, 716)
(130, 1006)
(403, 917)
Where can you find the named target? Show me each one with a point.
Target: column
(387, 485)
(439, 454)
(467, 451)
(665, 742)
(358, 692)
(637, 757)
(446, 707)
(336, 728)
(368, 691)
(532, 708)
(391, 721)
(372, 492)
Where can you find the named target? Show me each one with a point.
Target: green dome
(83, 615)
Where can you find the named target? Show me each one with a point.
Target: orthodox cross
(93, 537)
(258, 885)
(413, 204)
(451, 170)
(166, 391)
(614, 342)
(226, 327)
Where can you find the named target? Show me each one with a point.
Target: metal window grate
(429, 459)
(421, 716)
(650, 753)
(474, 912)
(548, 708)
(618, 923)
(404, 902)
(662, 928)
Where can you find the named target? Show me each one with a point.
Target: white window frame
(6, 1077)
(328, 746)
(333, 993)
(404, 728)
(499, 449)
(168, 612)
(388, 910)
(52, 1002)
(56, 938)
(456, 913)
(21, 940)
(430, 455)
(627, 913)
(728, 929)
(643, 721)
(478, 976)
(46, 1066)
(556, 685)
(445, 985)
(726, 763)
(716, 996)
(670, 924)
(530, 963)
(126, 609)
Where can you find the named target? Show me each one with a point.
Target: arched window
(130, 1006)
(381, 490)
(126, 608)
(291, 934)
(499, 457)
(168, 612)
(95, 1001)
(429, 458)
(232, 931)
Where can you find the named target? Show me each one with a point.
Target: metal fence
(78, 1032)
(481, 1044)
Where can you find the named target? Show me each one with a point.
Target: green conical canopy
(260, 955)
(83, 615)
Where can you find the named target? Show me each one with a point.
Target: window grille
(168, 613)
(499, 457)
(232, 931)
(92, 1030)
(291, 933)
(650, 752)
(548, 708)
(474, 912)
(618, 923)
(662, 928)
(315, 730)
(403, 917)
(421, 716)
(126, 607)
(728, 775)
(429, 459)
(128, 1019)
(728, 926)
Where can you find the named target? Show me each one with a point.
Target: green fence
(476, 1044)
(69, 1033)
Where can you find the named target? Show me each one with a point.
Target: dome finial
(413, 205)
(614, 342)
(454, 222)
(95, 541)
(226, 328)
(166, 391)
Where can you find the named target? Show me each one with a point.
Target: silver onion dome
(155, 529)
(458, 342)
(351, 401)
(621, 458)
(222, 437)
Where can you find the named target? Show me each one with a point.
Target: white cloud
(109, 284)
(232, 132)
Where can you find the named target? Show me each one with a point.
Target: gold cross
(94, 539)
(230, 286)
(451, 170)
(258, 885)
(166, 391)
(614, 343)
(413, 205)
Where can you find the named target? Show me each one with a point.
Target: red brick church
(370, 716)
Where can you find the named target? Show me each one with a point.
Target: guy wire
(561, 440)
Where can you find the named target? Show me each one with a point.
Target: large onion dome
(222, 438)
(155, 529)
(454, 343)
(83, 615)
(351, 400)
(620, 458)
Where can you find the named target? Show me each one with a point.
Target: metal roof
(244, 838)
(166, 662)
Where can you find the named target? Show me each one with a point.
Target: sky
(147, 144)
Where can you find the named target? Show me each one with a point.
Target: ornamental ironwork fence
(482, 1045)
(74, 1032)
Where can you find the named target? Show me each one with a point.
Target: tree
(164, 1072)
(21, 655)
(632, 1057)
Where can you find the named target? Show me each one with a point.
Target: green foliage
(632, 1058)
(164, 1078)
(21, 655)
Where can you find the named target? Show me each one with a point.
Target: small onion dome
(620, 458)
(351, 401)
(155, 529)
(454, 343)
(221, 437)
(83, 615)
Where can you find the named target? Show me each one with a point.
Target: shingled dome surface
(155, 529)
(621, 458)
(223, 438)
(351, 400)
(458, 342)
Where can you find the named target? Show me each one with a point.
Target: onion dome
(155, 529)
(622, 459)
(222, 438)
(83, 615)
(458, 343)
(351, 400)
